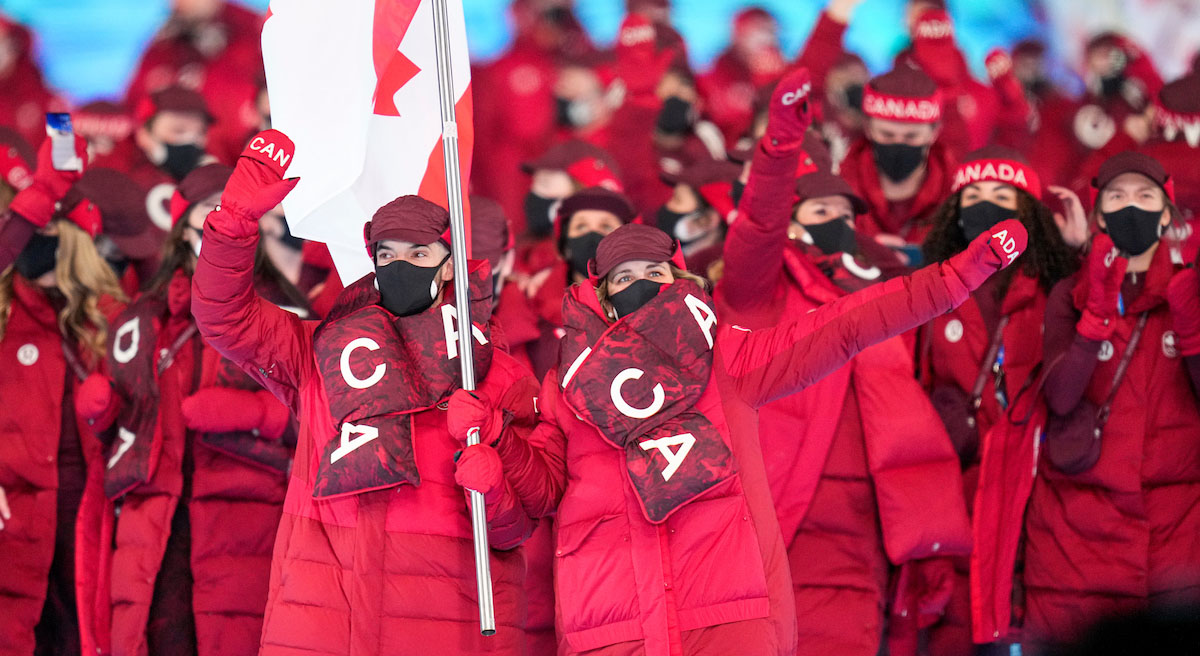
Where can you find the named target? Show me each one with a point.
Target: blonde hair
(83, 277)
(676, 273)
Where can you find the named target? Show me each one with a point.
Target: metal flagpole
(462, 300)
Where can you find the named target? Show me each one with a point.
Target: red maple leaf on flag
(392, 69)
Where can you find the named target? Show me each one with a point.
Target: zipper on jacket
(670, 600)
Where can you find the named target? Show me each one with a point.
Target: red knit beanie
(905, 94)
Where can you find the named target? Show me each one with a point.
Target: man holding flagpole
(374, 554)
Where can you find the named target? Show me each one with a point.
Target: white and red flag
(354, 84)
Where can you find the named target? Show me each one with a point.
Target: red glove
(469, 410)
(36, 203)
(1105, 271)
(257, 183)
(932, 584)
(225, 409)
(1183, 293)
(990, 252)
(96, 402)
(479, 468)
(788, 114)
(638, 65)
(999, 70)
(935, 50)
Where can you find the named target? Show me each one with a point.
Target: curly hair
(1048, 258)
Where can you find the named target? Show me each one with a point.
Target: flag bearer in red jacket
(374, 553)
(57, 296)
(861, 471)
(648, 448)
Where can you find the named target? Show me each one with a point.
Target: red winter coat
(37, 378)
(910, 218)
(389, 571)
(1122, 534)
(225, 72)
(954, 347)
(836, 482)
(514, 123)
(713, 576)
(232, 499)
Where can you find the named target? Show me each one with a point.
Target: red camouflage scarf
(379, 370)
(637, 380)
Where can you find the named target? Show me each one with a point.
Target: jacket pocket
(717, 565)
(595, 583)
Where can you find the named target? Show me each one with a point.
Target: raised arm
(824, 46)
(769, 364)
(34, 206)
(269, 343)
(755, 243)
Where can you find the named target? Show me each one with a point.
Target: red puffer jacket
(713, 576)
(35, 383)
(389, 571)
(1122, 533)
(232, 494)
(907, 219)
(954, 348)
(836, 482)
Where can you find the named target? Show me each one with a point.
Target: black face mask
(834, 236)
(571, 113)
(1112, 85)
(854, 96)
(629, 300)
(898, 161)
(582, 249)
(538, 220)
(1133, 230)
(288, 239)
(739, 188)
(405, 288)
(181, 159)
(980, 217)
(676, 116)
(38, 257)
(667, 221)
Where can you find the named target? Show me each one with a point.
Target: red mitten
(933, 581)
(638, 65)
(990, 252)
(257, 183)
(222, 410)
(468, 410)
(1105, 271)
(479, 469)
(934, 48)
(36, 203)
(1183, 293)
(999, 70)
(96, 402)
(275, 416)
(788, 115)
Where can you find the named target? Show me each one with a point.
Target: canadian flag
(354, 83)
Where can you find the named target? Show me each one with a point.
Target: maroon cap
(201, 183)
(122, 206)
(173, 99)
(1133, 162)
(1181, 96)
(491, 235)
(1029, 48)
(633, 241)
(704, 171)
(816, 154)
(408, 218)
(595, 198)
(821, 183)
(102, 119)
(588, 164)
